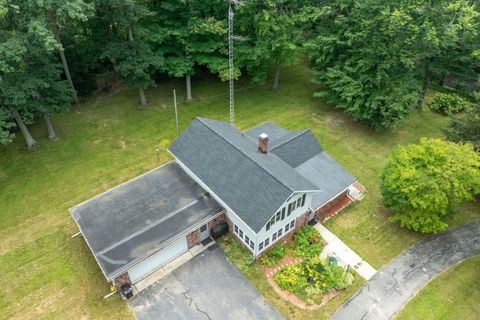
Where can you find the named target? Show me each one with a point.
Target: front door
(311, 215)
(204, 234)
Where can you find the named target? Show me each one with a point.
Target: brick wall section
(216, 221)
(120, 280)
(301, 220)
(333, 207)
(193, 238)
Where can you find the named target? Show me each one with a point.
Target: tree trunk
(30, 142)
(53, 23)
(51, 131)
(141, 92)
(423, 92)
(143, 100)
(189, 88)
(277, 76)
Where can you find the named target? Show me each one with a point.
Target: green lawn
(452, 295)
(108, 140)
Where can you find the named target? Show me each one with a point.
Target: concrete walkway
(345, 256)
(397, 282)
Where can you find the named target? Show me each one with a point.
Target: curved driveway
(394, 284)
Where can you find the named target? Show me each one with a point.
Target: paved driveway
(207, 287)
(394, 284)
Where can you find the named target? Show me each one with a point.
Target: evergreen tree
(466, 128)
(372, 54)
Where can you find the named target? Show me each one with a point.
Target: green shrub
(308, 242)
(313, 277)
(274, 255)
(446, 103)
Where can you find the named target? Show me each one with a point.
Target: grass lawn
(452, 295)
(108, 140)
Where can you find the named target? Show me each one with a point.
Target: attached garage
(141, 225)
(157, 260)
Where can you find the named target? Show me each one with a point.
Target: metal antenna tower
(230, 63)
(231, 68)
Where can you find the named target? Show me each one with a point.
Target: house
(265, 183)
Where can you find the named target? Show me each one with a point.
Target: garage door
(144, 268)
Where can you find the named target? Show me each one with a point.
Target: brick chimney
(263, 143)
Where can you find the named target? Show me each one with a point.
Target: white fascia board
(217, 198)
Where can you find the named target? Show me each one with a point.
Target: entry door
(311, 215)
(204, 234)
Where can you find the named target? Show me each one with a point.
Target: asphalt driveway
(207, 287)
(397, 282)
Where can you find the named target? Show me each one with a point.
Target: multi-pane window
(272, 221)
(252, 245)
(287, 227)
(267, 241)
(289, 209)
(274, 237)
(294, 205)
(299, 201)
(236, 229)
(292, 224)
(303, 199)
(279, 233)
(278, 216)
(268, 225)
(283, 213)
(247, 240)
(241, 234)
(260, 246)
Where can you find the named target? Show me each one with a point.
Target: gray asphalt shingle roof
(328, 175)
(252, 184)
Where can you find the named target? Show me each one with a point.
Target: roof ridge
(252, 160)
(299, 134)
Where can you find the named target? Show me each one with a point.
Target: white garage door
(167, 254)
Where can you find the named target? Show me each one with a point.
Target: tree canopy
(422, 183)
(374, 59)
(377, 58)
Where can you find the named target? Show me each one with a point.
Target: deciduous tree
(129, 53)
(188, 34)
(422, 183)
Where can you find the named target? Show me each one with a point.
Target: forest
(376, 59)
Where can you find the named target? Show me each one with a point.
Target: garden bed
(296, 273)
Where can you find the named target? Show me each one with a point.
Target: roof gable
(297, 147)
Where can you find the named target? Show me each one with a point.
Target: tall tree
(273, 30)
(447, 34)
(131, 56)
(190, 33)
(359, 50)
(58, 13)
(30, 79)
